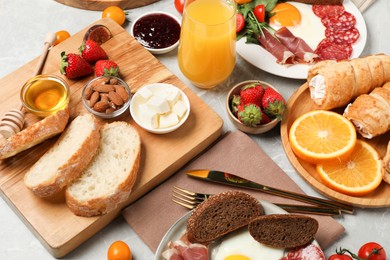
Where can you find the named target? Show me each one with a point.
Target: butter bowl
(160, 108)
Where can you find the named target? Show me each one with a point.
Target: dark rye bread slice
(221, 214)
(283, 230)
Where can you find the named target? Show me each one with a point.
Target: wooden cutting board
(50, 220)
(99, 5)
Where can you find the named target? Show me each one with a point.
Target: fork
(190, 200)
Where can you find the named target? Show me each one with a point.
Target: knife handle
(310, 210)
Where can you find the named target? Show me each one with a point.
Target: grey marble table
(23, 27)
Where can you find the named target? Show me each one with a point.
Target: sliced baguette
(66, 159)
(34, 134)
(108, 180)
(283, 230)
(221, 214)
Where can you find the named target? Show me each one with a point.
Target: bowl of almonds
(106, 97)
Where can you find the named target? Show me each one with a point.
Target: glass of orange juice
(207, 48)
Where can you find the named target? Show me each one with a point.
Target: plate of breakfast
(242, 242)
(342, 36)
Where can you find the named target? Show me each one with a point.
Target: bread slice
(283, 230)
(108, 180)
(221, 214)
(34, 134)
(66, 159)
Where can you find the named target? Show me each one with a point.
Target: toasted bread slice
(283, 230)
(34, 134)
(221, 214)
(108, 180)
(66, 159)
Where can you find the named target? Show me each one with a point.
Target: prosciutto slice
(282, 54)
(179, 250)
(303, 53)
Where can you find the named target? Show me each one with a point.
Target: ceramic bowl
(111, 113)
(244, 128)
(140, 99)
(44, 95)
(157, 15)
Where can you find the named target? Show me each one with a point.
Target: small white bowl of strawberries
(255, 107)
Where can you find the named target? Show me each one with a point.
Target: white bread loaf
(34, 134)
(66, 159)
(108, 180)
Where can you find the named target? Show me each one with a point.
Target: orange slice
(322, 136)
(359, 175)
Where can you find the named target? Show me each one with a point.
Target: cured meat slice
(282, 54)
(342, 37)
(343, 22)
(328, 10)
(328, 50)
(303, 53)
(182, 250)
(308, 252)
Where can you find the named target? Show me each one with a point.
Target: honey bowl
(44, 95)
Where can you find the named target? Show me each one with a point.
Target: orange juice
(207, 50)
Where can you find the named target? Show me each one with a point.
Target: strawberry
(250, 115)
(273, 103)
(235, 104)
(106, 68)
(74, 66)
(252, 94)
(92, 52)
(265, 119)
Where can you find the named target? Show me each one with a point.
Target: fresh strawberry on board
(250, 115)
(273, 103)
(92, 52)
(252, 94)
(106, 68)
(74, 66)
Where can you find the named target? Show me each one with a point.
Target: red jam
(157, 31)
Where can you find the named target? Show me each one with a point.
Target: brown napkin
(152, 215)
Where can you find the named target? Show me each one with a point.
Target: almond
(94, 98)
(115, 98)
(121, 91)
(88, 92)
(101, 106)
(104, 88)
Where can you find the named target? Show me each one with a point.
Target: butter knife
(236, 181)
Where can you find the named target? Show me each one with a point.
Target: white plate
(176, 231)
(262, 59)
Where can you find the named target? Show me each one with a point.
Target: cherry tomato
(366, 249)
(119, 250)
(339, 257)
(115, 13)
(240, 22)
(61, 36)
(179, 5)
(259, 12)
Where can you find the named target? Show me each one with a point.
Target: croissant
(370, 113)
(334, 84)
(386, 165)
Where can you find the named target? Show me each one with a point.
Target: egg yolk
(285, 14)
(237, 257)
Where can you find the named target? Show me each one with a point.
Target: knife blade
(236, 181)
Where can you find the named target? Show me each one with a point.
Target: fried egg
(300, 20)
(240, 245)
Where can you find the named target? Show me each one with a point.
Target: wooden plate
(100, 5)
(300, 103)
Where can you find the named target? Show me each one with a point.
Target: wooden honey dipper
(13, 120)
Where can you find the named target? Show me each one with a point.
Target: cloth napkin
(152, 215)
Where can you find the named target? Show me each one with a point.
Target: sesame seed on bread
(221, 214)
(283, 230)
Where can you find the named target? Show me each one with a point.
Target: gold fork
(190, 200)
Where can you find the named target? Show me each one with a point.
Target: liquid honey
(46, 96)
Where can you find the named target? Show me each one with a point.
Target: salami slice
(328, 50)
(341, 36)
(328, 10)
(343, 22)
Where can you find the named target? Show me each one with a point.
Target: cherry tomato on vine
(259, 12)
(340, 257)
(179, 5)
(61, 36)
(119, 250)
(115, 13)
(366, 249)
(240, 22)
